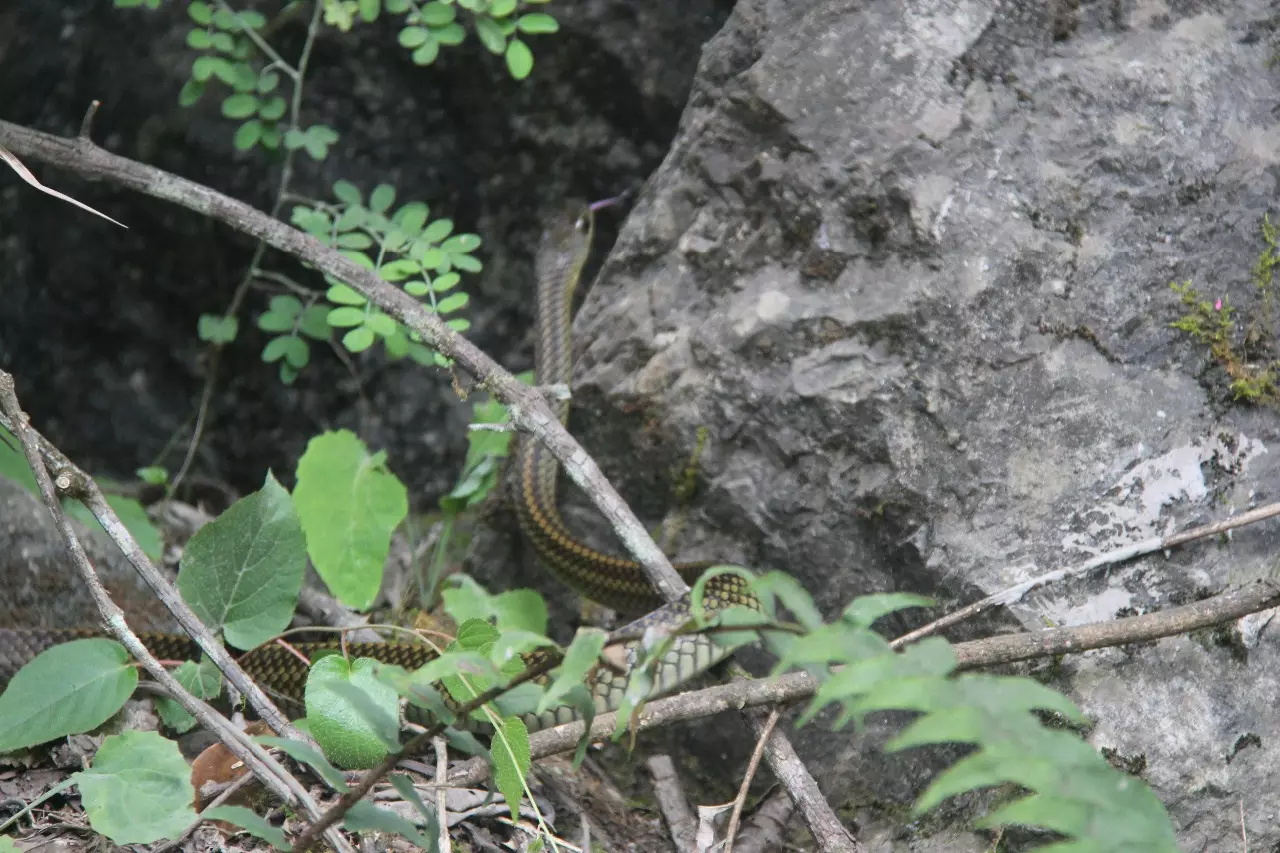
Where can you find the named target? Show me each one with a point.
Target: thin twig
(444, 844)
(1109, 558)
(752, 766)
(672, 803)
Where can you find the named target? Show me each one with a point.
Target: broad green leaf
(154, 475)
(536, 23)
(369, 10)
(299, 751)
(218, 330)
(240, 105)
(358, 339)
(364, 815)
(581, 655)
(200, 12)
(450, 34)
(412, 37)
(437, 14)
(273, 108)
(249, 821)
(490, 34)
(247, 135)
(519, 59)
(511, 760)
(138, 790)
(461, 244)
(242, 571)
(521, 609)
(399, 269)
(191, 92)
(199, 40)
(411, 217)
(866, 609)
(349, 504)
(351, 737)
(343, 295)
(67, 689)
(382, 197)
(434, 233)
(381, 324)
(347, 317)
(346, 192)
(453, 302)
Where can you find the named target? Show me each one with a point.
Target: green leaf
(343, 295)
(382, 197)
(200, 12)
(247, 135)
(458, 324)
(453, 302)
(315, 322)
(446, 282)
(501, 8)
(426, 54)
(67, 689)
(537, 23)
(412, 37)
(268, 81)
(581, 655)
(218, 330)
(490, 34)
(412, 217)
(199, 40)
(273, 108)
(461, 244)
(369, 10)
(520, 610)
(351, 736)
(205, 67)
(399, 269)
(349, 504)
(358, 339)
(511, 760)
(437, 14)
(466, 263)
(519, 59)
(866, 609)
(303, 752)
(381, 325)
(249, 821)
(154, 475)
(436, 232)
(343, 318)
(241, 572)
(240, 105)
(354, 240)
(346, 192)
(450, 34)
(191, 92)
(273, 322)
(138, 790)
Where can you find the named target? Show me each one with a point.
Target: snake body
(614, 581)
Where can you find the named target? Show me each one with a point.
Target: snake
(616, 582)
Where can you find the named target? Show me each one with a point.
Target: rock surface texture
(909, 262)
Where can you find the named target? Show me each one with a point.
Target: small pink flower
(1217, 306)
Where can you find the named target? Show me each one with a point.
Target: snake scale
(611, 580)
